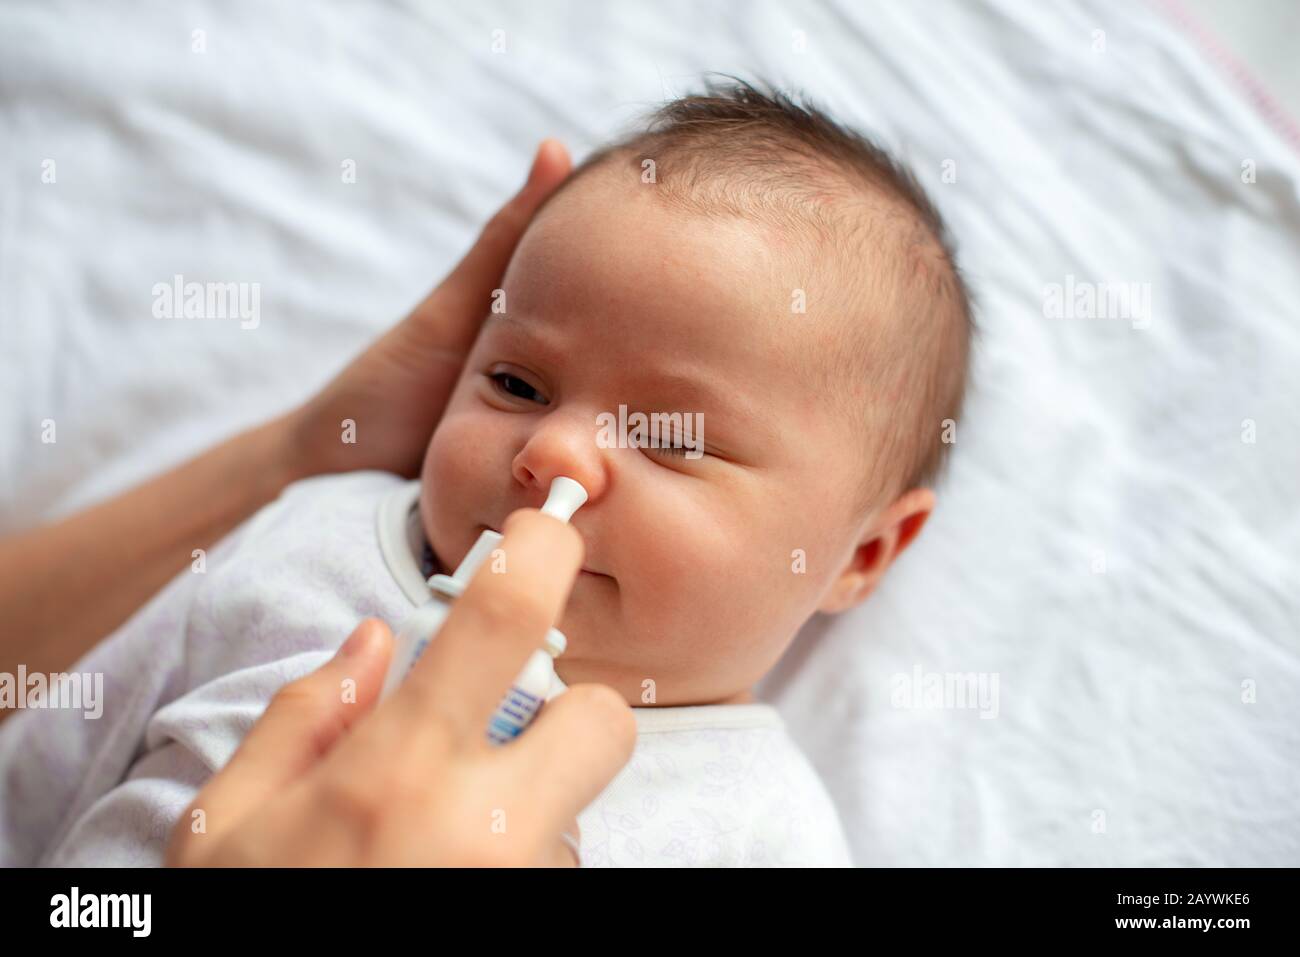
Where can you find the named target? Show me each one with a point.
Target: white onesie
(191, 672)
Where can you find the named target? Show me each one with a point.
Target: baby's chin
(632, 685)
(587, 619)
(600, 651)
(590, 626)
(580, 671)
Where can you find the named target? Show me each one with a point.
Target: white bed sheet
(1088, 442)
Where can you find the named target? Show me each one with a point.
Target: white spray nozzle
(566, 497)
(486, 543)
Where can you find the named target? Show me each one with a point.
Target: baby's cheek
(714, 577)
(454, 472)
(458, 452)
(764, 579)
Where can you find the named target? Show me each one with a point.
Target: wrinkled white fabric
(1106, 543)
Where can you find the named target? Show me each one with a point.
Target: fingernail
(532, 170)
(356, 641)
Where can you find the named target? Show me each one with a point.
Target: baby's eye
(670, 449)
(678, 451)
(515, 386)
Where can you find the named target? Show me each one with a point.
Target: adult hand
(318, 781)
(397, 389)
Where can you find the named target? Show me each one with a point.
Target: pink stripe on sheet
(1216, 50)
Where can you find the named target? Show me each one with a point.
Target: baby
(744, 263)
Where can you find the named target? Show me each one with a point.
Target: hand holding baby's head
(784, 295)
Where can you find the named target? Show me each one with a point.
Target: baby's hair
(903, 320)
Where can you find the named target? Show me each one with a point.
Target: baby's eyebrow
(741, 425)
(688, 393)
(694, 394)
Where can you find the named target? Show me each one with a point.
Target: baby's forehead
(782, 263)
(806, 295)
(603, 231)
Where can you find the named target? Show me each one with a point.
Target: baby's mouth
(585, 571)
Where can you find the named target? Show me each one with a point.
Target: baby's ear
(881, 543)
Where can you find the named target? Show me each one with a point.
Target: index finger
(500, 620)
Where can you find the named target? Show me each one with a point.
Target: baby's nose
(560, 446)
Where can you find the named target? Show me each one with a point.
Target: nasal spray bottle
(535, 683)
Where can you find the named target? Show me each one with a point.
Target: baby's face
(698, 571)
